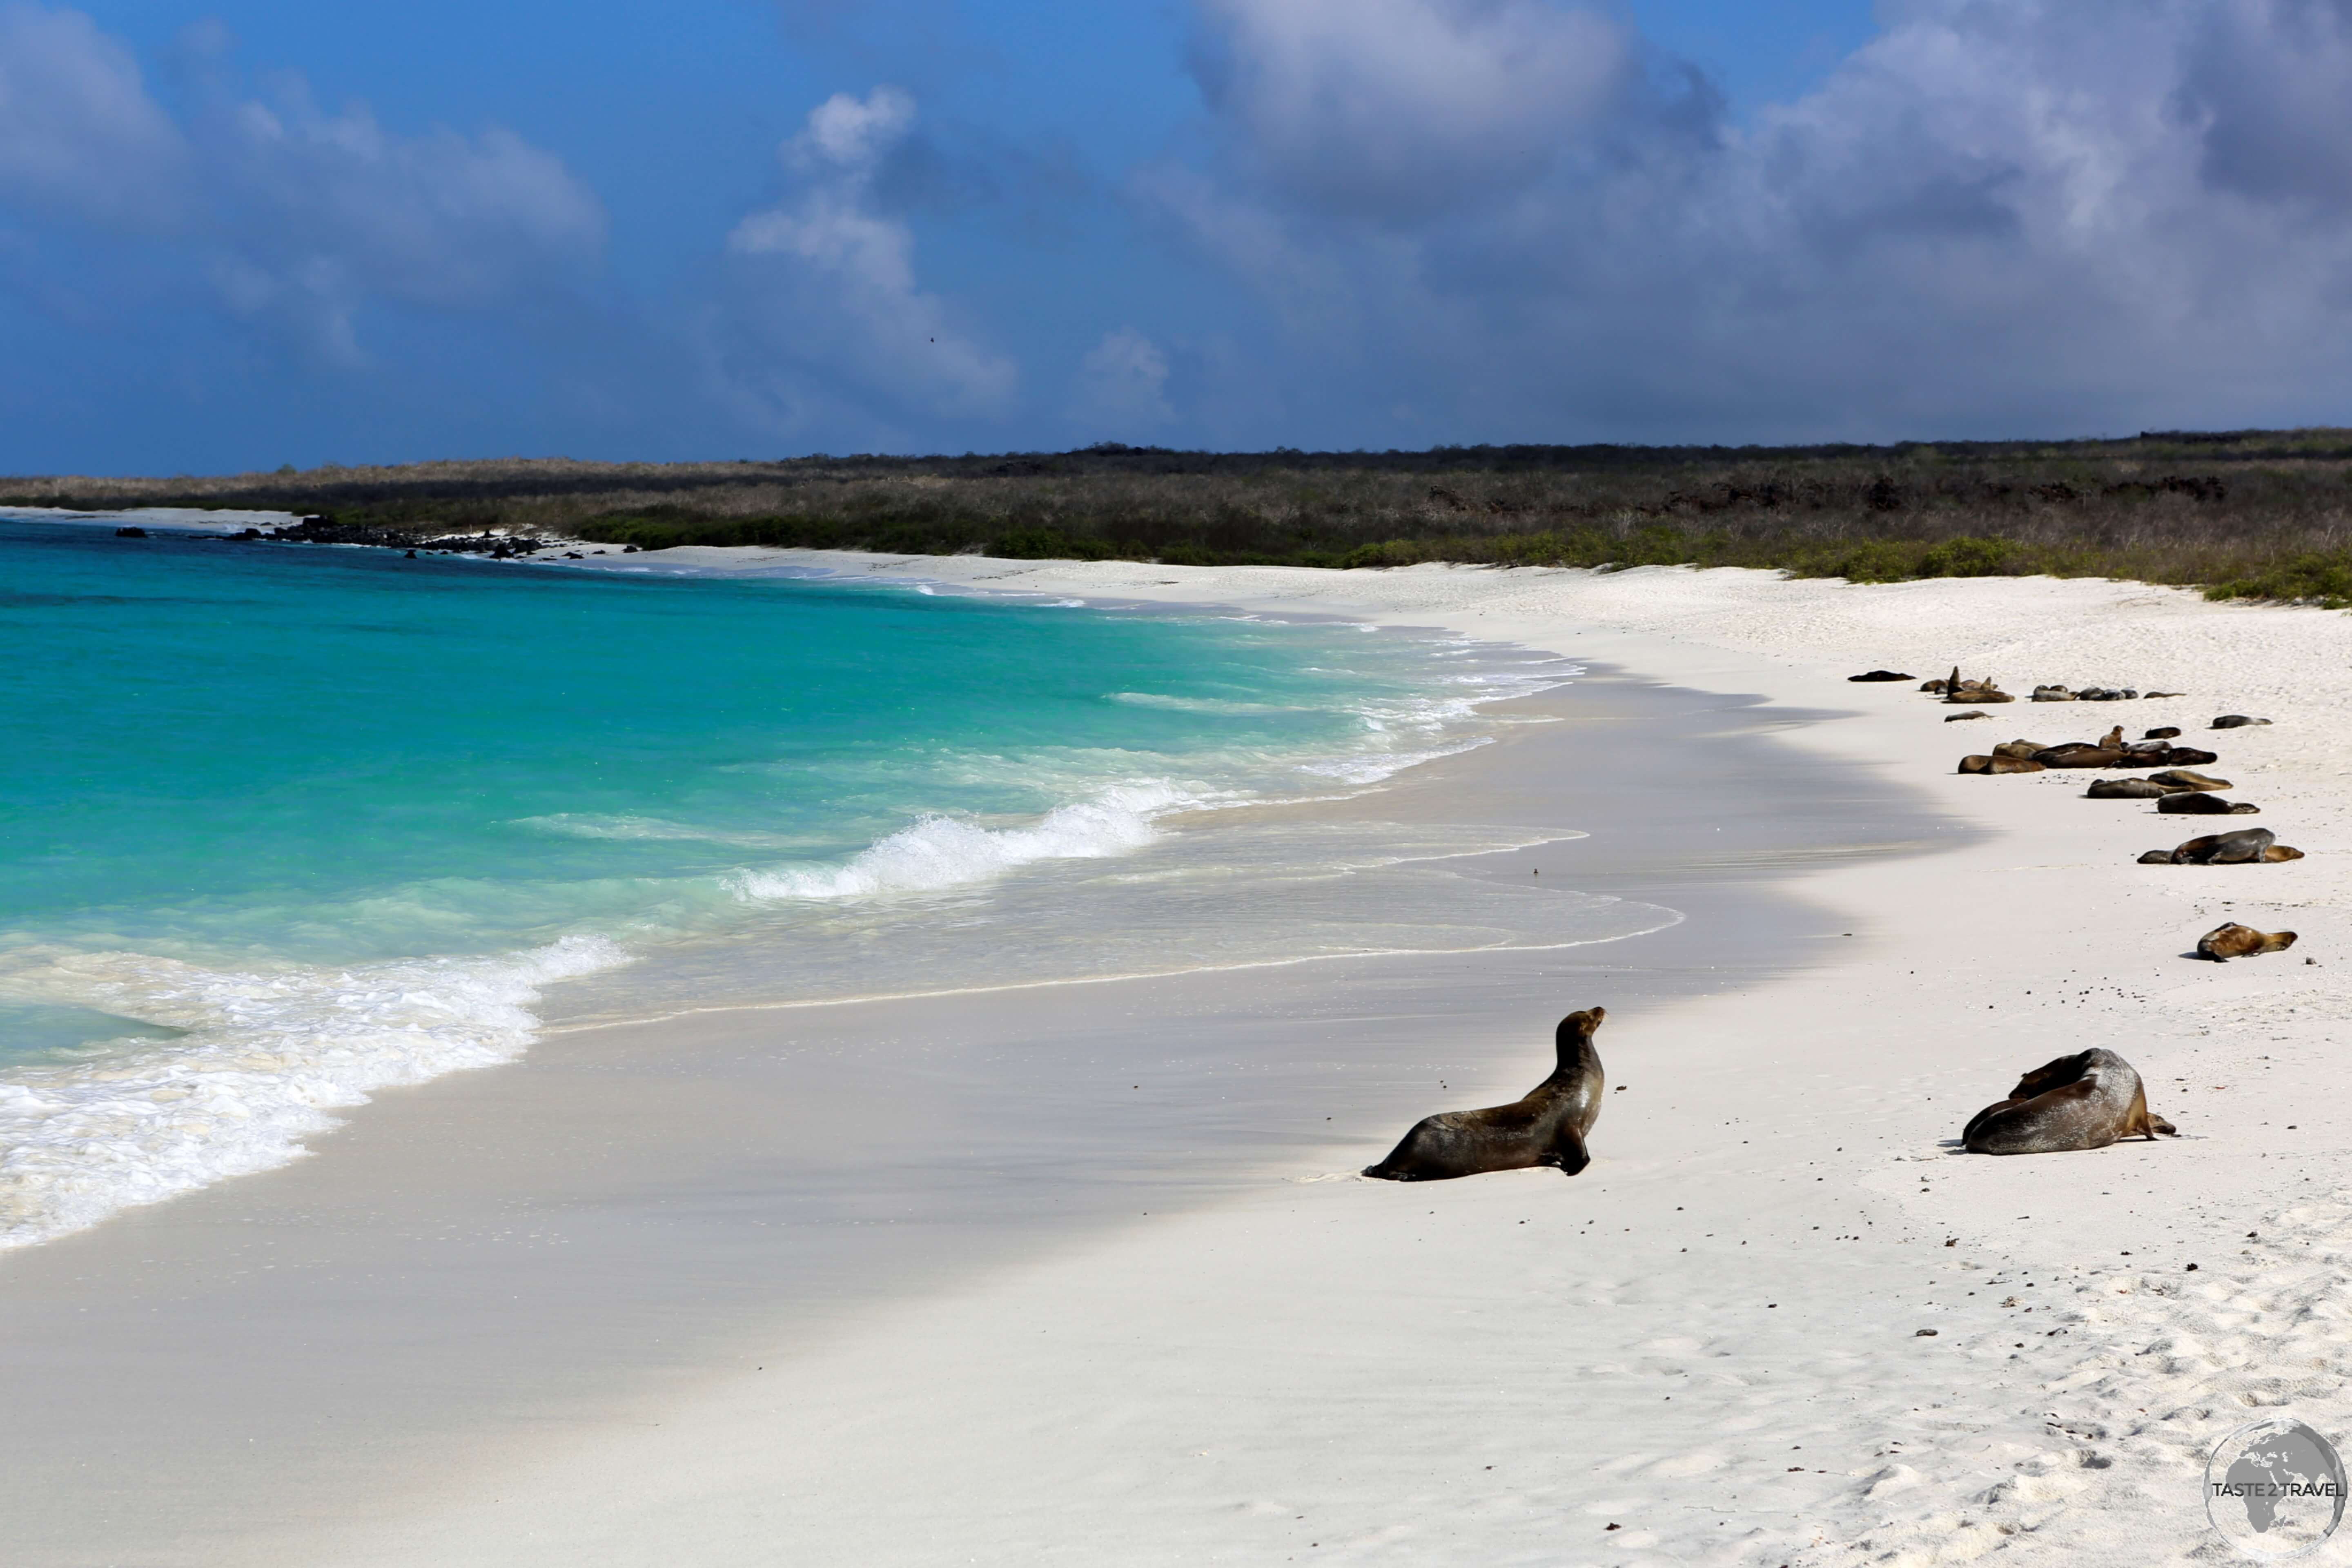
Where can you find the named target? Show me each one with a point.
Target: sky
(252, 232)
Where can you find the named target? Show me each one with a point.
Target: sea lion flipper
(2157, 1124)
(1569, 1146)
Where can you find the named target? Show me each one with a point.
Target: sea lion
(2052, 694)
(1880, 675)
(2018, 748)
(2199, 803)
(1547, 1128)
(1997, 764)
(1971, 713)
(2189, 756)
(2181, 778)
(2088, 1101)
(2225, 942)
(2236, 722)
(2152, 696)
(2246, 846)
(2168, 733)
(2079, 754)
(2130, 789)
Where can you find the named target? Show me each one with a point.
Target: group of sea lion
(2088, 1101)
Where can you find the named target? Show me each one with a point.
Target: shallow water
(284, 826)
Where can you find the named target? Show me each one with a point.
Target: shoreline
(1272, 1334)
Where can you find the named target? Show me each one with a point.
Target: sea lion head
(2278, 852)
(2052, 1075)
(1581, 1026)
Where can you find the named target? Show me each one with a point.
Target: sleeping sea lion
(2130, 789)
(2236, 722)
(2181, 778)
(1547, 1128)
(2198, 803)
(2053, 694)
(1880, 675)
(2225, 942)
(1999, 764)
(2088, 1101)
(2168, 733)
(2079, 754)
(2191, 756)
(2246, 846)
(2018, 748)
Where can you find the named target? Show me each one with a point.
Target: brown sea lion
(2053, 694)
(1971, 713)
(2225, 942)
(2130, 789)
(2181, 778)
(2078, 754)
(2018, 748)
(1996, 764)
(2088, 1101)
(2198, 803)
(2168, 733)
(1548, 1128)
(2152, 696)
(2246, 846)
(2236, 722)
(1880, 675)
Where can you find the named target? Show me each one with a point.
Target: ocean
(284, 826)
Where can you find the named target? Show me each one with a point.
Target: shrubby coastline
(2242, 514)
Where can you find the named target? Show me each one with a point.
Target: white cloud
(1122, 384)
(78, 133)
(297, 218)
(829, 287)
(1406, 107)
(2000, 215)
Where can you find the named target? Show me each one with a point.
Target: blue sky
(257, 232)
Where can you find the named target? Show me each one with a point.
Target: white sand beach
(1780, 1320)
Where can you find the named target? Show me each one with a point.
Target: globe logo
(2275, 1489)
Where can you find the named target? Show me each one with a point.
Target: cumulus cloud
(1401, 107)
(2022, 211)
(78, 133)
(1122, 384)
(299, 217)
(827, 293)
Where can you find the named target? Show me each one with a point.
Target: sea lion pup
(2236, 722)
(2168, 733)
(2088, 1101)
(1547, 1128)
(2198, 803)
(1999, 764)
(2225, 942)
(2181, 778)
(1880, 675)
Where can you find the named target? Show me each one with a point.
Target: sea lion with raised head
(2225, 942)
(2088, 1101)
(1547, 1128)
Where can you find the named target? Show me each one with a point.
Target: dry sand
(1711, 1346)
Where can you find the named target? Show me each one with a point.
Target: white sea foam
(938, 853)
(268, 1055)
(1202, 704)
(582, 825)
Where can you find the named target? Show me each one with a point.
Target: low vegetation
(2243, 514)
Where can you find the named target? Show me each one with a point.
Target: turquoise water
(279, 826)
